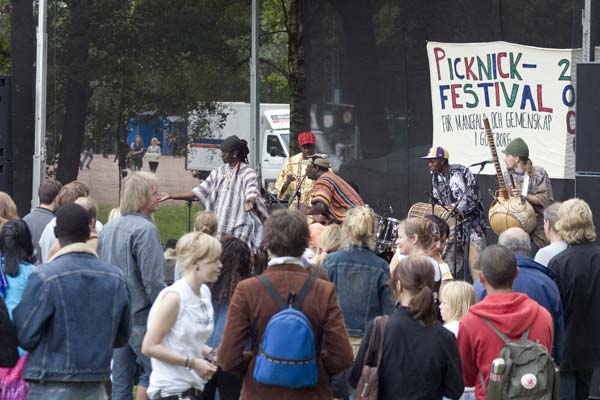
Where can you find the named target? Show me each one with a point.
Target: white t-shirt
(194, 324)
(545, 254)
(47, 240)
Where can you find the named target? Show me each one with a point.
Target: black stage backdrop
(368, 89)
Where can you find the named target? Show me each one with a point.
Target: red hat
(305, 138)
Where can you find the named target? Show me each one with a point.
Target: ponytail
(416, 275)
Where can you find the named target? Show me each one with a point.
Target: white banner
(526, 92)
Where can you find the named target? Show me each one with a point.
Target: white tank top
(194, 324)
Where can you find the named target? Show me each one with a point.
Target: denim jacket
(132, 243)
(74, 310)
(361, 279)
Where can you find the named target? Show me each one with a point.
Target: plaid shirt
(539, 186)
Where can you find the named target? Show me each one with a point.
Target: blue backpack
(287, 355)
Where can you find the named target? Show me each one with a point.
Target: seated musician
(293, 172)
(453, 185)
(539, 189)
(331, 196)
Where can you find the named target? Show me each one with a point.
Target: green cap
(517, 147)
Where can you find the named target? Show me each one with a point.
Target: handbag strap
(371, 340)
(382, 326)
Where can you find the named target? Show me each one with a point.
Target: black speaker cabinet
(588, 118)
(5, 135)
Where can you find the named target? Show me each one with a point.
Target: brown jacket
(249, 312)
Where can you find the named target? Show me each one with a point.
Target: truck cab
(204, 154)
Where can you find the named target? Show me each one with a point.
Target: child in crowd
(206, 222)
(329, 241)
(437, 249)
(457, 297)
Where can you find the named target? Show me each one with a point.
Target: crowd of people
(296, 304)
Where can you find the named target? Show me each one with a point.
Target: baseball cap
(437, 152)
(317, 160)
(305, 138)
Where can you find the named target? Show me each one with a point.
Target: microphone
(482, 163)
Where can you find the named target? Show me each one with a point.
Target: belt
(195, 394)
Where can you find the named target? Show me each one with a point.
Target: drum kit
(387, 227)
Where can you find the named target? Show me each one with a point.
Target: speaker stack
(5, 135)
(587, 142)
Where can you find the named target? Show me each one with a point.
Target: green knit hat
(517, 147)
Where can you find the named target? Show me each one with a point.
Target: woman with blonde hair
(181, 320)
(577, 273)
(361, 277)
(421, 359)
(153, 155)
(329, 241)
(8, 209)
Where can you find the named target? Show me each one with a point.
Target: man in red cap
(294, 174)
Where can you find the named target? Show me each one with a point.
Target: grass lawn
(170, 220)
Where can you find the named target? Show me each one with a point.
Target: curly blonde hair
(575, 222)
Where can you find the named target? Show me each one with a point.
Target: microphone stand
(298, 191)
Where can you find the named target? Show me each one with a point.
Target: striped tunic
(224, 193)
(331, 190)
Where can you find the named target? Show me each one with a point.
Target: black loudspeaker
(595, 385)
(588, 188)
(5, 135)
(587, 137)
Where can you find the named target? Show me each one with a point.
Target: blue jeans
(67, 391)
(124, 366)
(575, 384)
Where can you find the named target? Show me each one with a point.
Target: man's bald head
(516, 240)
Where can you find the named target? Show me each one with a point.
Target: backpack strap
(501, 335)
(297, 303)
(371, 340)
(525, 335)
(272, 291)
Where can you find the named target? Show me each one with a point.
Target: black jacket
(419, 363)
(8, 339)
(577, 273)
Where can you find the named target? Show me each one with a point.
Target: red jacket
(511, 314)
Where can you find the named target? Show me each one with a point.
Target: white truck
(204, 153)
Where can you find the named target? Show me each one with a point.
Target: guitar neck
(492, 145)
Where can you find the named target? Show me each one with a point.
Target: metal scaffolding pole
(254, 93)
(39, 151)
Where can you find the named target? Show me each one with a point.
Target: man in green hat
(539, 188)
